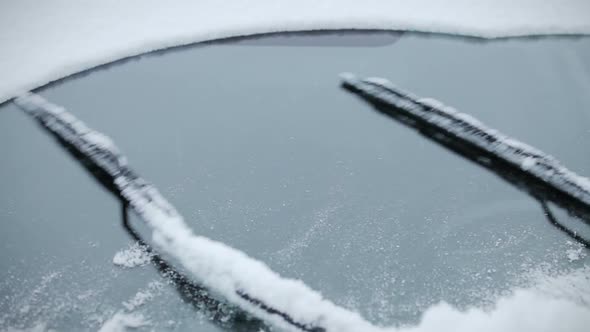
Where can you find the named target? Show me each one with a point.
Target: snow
(121, 322)
(43, 41)
(142, 297)
(125, 320)
(286, 303)
(575, 254)
(524, 311)
(135, 255)
(528, 163)
(40, 327)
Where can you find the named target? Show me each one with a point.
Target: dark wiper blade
(530, 169)
(228, 273)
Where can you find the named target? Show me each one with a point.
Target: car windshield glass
(257, 145)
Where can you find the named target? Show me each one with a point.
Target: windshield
(257, 146)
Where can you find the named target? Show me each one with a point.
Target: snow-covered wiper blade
(535, 172)
(226, 272)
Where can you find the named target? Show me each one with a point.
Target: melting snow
(143, 296)
(121, 322)
(528, 163)
(575, 254)
(134, 256)
(40, 327)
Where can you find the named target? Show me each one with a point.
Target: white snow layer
(133, 256)
(42, 41)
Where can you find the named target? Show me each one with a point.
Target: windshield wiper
(226, 272)
(531, 170)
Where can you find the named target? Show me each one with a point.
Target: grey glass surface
(257, 146)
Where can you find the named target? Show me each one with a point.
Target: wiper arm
(531, 170)
(227, 272)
